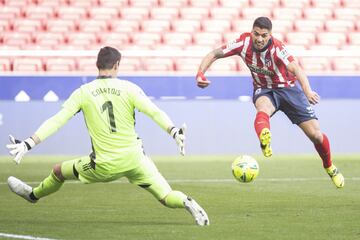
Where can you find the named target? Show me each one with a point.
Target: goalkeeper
(108, 105)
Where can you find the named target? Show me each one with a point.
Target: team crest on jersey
(268, 62)
(257, 91)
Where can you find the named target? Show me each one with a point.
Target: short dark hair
(263, 22)
(107, 58)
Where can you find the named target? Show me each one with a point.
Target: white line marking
(223, 180)
(8, 235)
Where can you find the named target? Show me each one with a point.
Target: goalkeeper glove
(19, 148)
(179, 136)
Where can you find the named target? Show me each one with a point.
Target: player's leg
(265, 108)
(149, 178)
(49, 185)
(321, 142)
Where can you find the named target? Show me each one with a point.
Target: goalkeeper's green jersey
(109, 107)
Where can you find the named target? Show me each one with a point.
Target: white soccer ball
(245, 168)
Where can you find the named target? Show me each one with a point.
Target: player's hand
(201, 80)
(19, 148)
(313, 97)
(179, 136)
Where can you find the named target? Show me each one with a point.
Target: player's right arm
(227, 50)
(211, 57)
(71, 106)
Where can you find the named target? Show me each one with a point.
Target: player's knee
(316, 137)
(57, 172)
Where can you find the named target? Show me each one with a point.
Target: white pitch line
(8, 235)
(223, 180)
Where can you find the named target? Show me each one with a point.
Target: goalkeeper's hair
(107, 58)
(263, 23)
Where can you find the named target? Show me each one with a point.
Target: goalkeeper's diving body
(108, 105)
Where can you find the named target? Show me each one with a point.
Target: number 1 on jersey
(109, 106)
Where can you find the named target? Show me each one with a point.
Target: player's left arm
(295, 69)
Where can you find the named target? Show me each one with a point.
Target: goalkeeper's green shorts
(146, 175)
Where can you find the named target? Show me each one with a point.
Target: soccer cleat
(20, 188)
(196, 211)
(265, 140)
(336, 176)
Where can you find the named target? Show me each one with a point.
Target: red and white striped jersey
(268, 68)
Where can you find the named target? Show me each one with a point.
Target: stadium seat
(279, 36)
(28, 65)
(188, 65)
(71, 13)
(4, 25)
(346, 14)
(124, 26)
(177, 39)
(326, 3)
(80, 39)
(164, 13)
(306, 25)
(224, 13)
(10, 12)
(114, 39)
(173, 3)
(339, 25)
(16, 38)
(318, 13)
(181, 25)
(60, 65)
(5, 64)
(92, 26)
(264, 4)
(213, 25)
(87, 65)
(345, 64)
(116, 4)
(299, 4)
(331, 38)
(300, 38)
(255, 12)
(354, 38)
(59, 25)
(48, 38)
(129, 64)
(234, 3)
(354, 4)
(315, 64)
(282, 26)
(103, 13)
(230, 36)
(158, 64)
(241, 26)
(145, 39)
(134, 13)
(158, 26)
(194, 13)
(26, 25)
(208, 39)
(287, 13)
(144, 3)
(38, 12)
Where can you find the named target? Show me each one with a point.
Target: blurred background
(49, 48)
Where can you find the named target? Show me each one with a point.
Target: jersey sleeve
(70, 107)
(233, 47)
(146, 106)
(283, 55)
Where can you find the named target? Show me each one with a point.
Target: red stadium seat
(203, 3)
(92, 26)
(315, 64)
(4, 25)
(103, 13)
(80, 39)
(60, 65)
(230, 36)
(234, 3)
(124, 26)
(48, 38)
(318, 13)
(354, 38)
(219, 26)
(208, 39)
(60, 25)
(164, 13)
(300, 38)
(282, 26)
(188, 65)
(87, 65)
(224, 65)
(16, 38)
(129, 64)
(144, 3)
(255, 12)
(181, 25)
(145, 39)
(194, 13)
(158, 26)
(326, 3)
(287, 13)
(306, 25)
(26, 25)
(331, 38)
(177, 39)
(346, 14)
(117, 4)
(114, 39)
(345, 64)
(158, 64)
(10, 12)
(241, 26)
(224, 13)
(174, 3)
(298, 4)
(28, 65)
(339, 25)
(134, 13)
(38, 12)
(354, 4)
(71, 13)
(5, 64)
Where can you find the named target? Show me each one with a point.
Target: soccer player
(274, 72)
(108, 105)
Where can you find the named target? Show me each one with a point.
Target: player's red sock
(261, 122)
(324, 151)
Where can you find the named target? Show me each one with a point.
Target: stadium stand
(188, 25)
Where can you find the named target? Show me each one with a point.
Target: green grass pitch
(292, 198)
